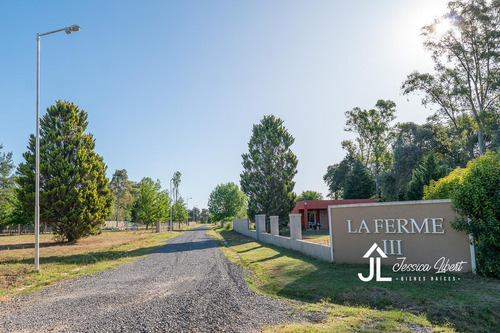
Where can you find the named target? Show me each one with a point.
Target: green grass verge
(469, 304)
(62, 261)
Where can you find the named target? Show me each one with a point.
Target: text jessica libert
(442, 265)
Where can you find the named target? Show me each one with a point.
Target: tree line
(395, 161)
(76, 197)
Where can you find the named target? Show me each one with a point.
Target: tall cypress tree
(269, 168)
(430, 169)
(359, 183)
(74, 194)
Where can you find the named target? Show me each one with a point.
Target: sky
(177, 85)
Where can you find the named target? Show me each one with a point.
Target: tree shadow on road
(99, 256)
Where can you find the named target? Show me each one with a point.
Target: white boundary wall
(318, 251)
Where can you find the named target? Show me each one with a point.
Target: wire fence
(16, 230)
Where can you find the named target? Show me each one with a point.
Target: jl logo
(372, 264)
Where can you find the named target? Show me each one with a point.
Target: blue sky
(177, 85)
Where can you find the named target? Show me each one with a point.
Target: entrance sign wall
(412, 232)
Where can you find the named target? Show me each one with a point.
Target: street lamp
(68, 30)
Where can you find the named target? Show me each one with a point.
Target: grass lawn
(312, 236)
(469, 304)
(60, 261)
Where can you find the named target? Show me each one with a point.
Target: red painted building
(315, 212)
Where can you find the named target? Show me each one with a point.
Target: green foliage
(444, 187)
(7, 187)
(226, 202)
(467, 69)
(268, 169)
(309, 195)
(205, 215)
(336, 175)
(429, 169)
(359, 183)
(152, 204)
(374, 135)
(478, 197)
(121, 188)
(176, 181)
(8, 204)
(179, 211)
(194, 214)
(74, 194)
(475, 194)
(412, 141)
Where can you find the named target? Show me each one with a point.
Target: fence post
(295, 226)
(260, 224)
(275, 230)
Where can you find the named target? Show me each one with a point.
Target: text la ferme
(430, 225)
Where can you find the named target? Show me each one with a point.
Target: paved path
(187, 286)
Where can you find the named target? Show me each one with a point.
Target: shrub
(478, 197)
(475, 194)
(442, 188)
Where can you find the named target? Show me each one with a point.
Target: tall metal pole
(171, 199)
(37, 158)
(68, 30)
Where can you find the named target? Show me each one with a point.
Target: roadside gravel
(187, 286)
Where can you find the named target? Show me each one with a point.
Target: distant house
(315, 212)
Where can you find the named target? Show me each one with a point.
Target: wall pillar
(295, 226)
(275, 229)
(260, 224)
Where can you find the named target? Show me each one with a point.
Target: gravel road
(187, 286)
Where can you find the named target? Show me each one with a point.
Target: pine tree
(74, 194)
(359, 183)
(430, 169)
(268, 169)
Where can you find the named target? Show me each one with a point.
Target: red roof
(323, 204)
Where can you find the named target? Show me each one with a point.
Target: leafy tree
(269, 168)
(179, 211)
(152, 203)
(194, 214)
(6, 171)
(226, 202)
(74, 194)
(336, 175)
(467, 67)
(374, 134)
(429, 169)
(309, 195)
(121, 189)
(359, 183)
(7, 187)
(176, 180)
(205, 215)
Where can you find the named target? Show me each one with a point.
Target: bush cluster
(475, 195)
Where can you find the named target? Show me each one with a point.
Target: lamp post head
(73, 28)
